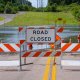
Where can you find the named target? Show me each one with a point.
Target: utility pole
(41, 3)
(37, 3)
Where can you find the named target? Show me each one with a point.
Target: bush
(23, 8)
(39, 9)
(76, 13)
(14, 10)
(51, 8)
(10, 9)
(1, 8)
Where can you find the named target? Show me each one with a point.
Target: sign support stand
(20, 59)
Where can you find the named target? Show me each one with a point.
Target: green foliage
(42, 18)
(1, 8)
(23, 8)
(10, 9)
(51, 8)
(75, 11)
(77, 14)
(63, 2)
(73, 39)
(39, 9)
(12, 6)
(66, 8)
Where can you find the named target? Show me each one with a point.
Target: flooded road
(11, 35)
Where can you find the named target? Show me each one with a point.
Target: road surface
(39, 69)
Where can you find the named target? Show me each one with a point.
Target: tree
(67, 2)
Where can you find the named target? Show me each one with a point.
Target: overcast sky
(34, 2)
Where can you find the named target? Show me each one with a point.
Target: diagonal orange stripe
(10, 47)
(65, 46)
(18, 45)
(26, 54)
(60, 29)
(47, 54)
(57, 37)
(22, 41)
(76, 48)
(20, 29)
(37, 54)
(58, 54)
(1, 50)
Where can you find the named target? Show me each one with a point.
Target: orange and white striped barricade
(9, 47)
(60, 30)
(39, 52)
(12, 47)
(70, 48)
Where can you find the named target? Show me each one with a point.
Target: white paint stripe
(5, 49)
(10, 63)
(62, 44)
(31, 54)
(15, 47)
(70, 62)
(1, 45)
(70, 47)
(42, 54)
(78, 50)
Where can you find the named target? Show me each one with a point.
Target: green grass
(42, 18)
(1, 18)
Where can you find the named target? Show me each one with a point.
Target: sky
(34, 2)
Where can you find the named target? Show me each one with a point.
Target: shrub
(10, 9)
(76, 13)
(23, 8)
(51, 8)
(1, 8)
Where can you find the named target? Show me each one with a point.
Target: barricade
(24, 51)
(73, 49)
(41, 50)
(9, 47)
(70, 47)
(9, 44)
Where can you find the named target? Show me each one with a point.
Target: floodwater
(11, 35)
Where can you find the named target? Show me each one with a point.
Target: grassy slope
(42, 18)
(1, 18)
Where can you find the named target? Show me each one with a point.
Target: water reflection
(11, 35)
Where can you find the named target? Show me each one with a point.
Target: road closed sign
(40, 35)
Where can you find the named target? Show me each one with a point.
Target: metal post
(25, 47)
(20, 61)
(37, 3)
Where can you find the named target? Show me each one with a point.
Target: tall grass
(43, 18)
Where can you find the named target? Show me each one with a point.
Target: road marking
(54, 72)
(47, 69)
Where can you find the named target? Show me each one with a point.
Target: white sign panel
(40, 35)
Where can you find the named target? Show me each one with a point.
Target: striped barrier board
(37, 54)
(70, 47)
(58, 37)
(60, 30)
(41, 54)
(12, 47)
(70, 62)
